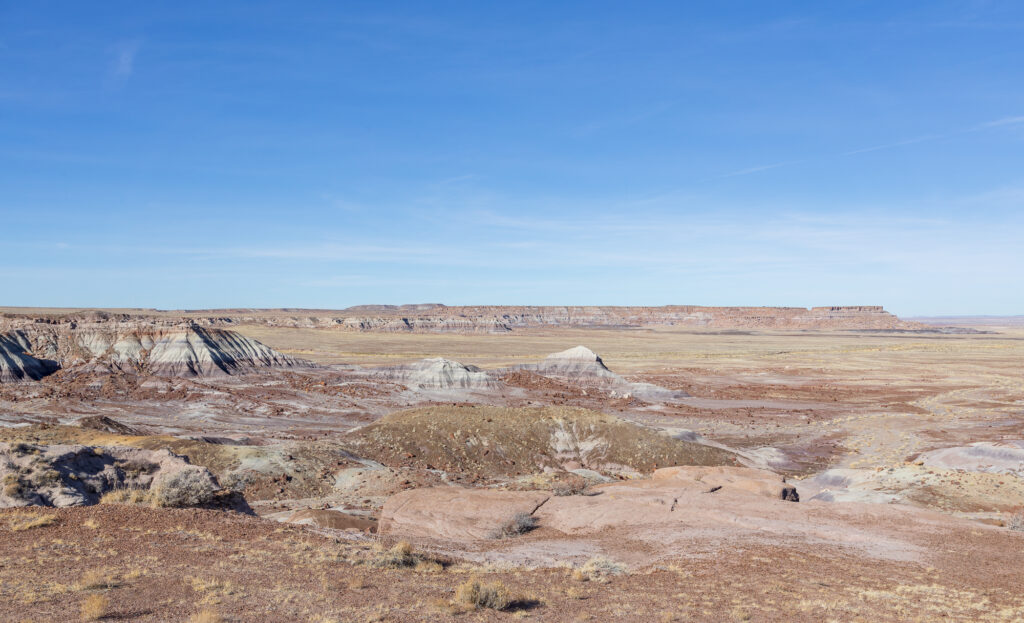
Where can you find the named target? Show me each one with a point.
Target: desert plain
(479, 464)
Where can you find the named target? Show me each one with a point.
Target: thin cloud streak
(760, 168)
(124, 59)
(1002, 122)
(1007, 121)
(909, 141)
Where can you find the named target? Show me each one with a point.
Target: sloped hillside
(501, 442)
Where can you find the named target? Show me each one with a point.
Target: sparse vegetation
(429, 566)
(599, 569)
(32, 521)
(95, 579)
(1016, 520)
(20, 448)
(126, 496)
(357, 582)
(45, 478)
(207, 616)
(516, 441)
(521, 523)
(398, 556)
(189, 487)
(575, 592)
(94, 607)
(573, 484)
(12, 485)
(476, 594)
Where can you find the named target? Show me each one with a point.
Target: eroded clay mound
(499, 442)
(75, 475)
(577, 362)
(671, 496)
(182, 350)
(581, 366)
(205, 352)
(438, 373)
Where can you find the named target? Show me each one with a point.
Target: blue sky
(186, 155)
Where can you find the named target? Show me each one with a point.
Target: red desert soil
(168, 565)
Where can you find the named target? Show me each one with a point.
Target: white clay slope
(439, 373)
(579, 361)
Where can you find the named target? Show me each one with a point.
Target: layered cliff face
(180, 350)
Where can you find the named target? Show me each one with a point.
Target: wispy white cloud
(909, 141)
(1006, 121)
(759, 168)
(1001, 122)
(124, 58)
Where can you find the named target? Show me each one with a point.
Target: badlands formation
(423, 463)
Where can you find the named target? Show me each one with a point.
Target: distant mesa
(438, 318)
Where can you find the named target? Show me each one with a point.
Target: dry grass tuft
(476, 594)
(126, 496)
(397, 557)
(572, 485)
(357, 582)
(1016, 520)
(575, 592)
(599, 569)
(207, 616)
(428, 566)
(32, 521)
(189, 487)
(94, 607)
(521, 523)
(97, 579)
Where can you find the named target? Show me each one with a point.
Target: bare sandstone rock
(674, 495)
(331, 519)
(456, 513)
